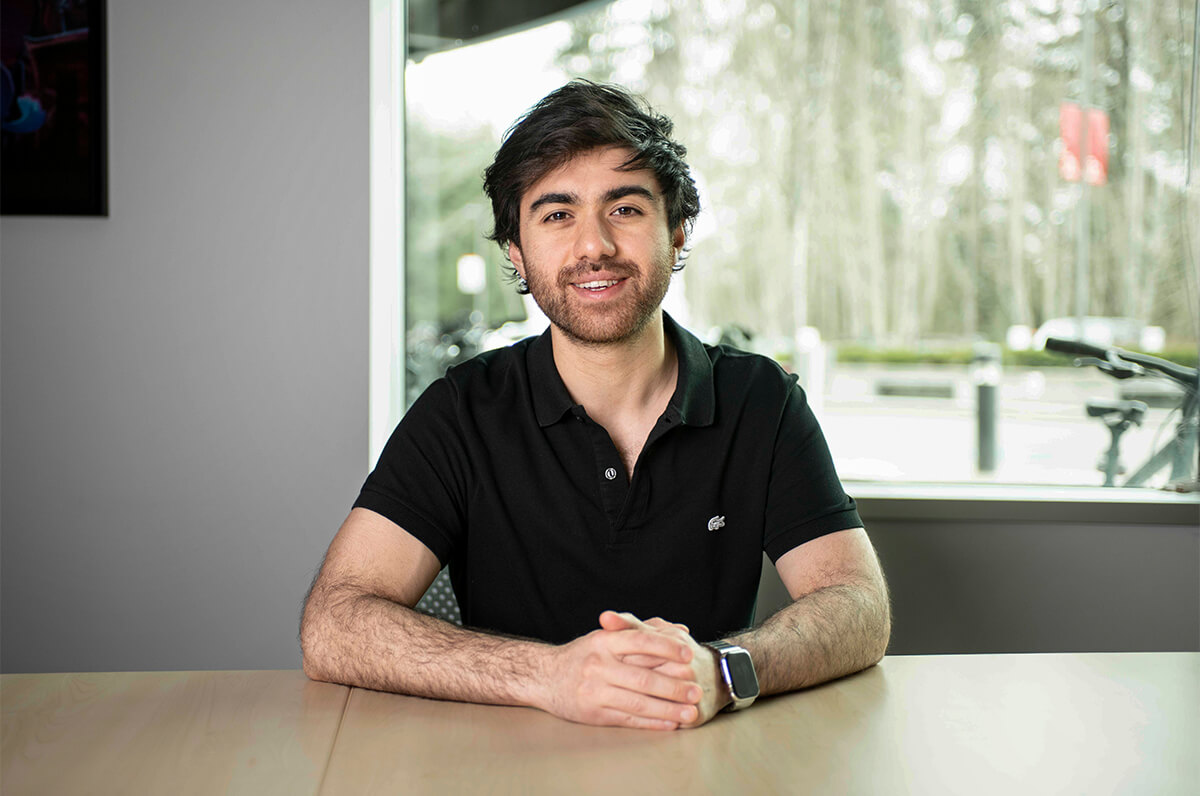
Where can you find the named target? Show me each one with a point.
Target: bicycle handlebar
(1180, 373)
(1076, 347)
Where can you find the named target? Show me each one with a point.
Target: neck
(616, 379)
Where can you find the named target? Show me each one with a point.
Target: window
(901, 200)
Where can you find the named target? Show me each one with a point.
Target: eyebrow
(554, 199)
(622, 191)
(612, 194)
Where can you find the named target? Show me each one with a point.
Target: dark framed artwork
(53, 108)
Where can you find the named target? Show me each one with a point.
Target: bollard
(985, 373)
(809, 365)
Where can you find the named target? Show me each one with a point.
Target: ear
(678, 238)
(515, 257)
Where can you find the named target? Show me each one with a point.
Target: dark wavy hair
(578, 117)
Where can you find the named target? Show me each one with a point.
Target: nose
(593, 239)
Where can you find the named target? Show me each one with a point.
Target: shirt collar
(695, 396)
(694, 401)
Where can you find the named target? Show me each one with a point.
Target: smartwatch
(738, 671)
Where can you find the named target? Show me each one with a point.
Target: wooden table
(1027, 724)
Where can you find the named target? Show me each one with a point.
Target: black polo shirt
(502, 476)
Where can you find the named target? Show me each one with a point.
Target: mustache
(585, 268)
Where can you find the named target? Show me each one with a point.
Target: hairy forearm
(832, 632)
(356, 638)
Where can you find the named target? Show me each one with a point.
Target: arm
(359, 629)
(839, 619)
(838, 622)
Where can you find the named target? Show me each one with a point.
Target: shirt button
(610, 474)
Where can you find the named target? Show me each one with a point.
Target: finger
(662, 624)
(649, 642)
(615, 718)
(623, 620)
(638, 704)
(651, 683)
(648, 661)
(679, 671)
(611, 620)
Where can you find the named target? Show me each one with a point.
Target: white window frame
(386, 362)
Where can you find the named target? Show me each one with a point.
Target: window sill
(1016, 503)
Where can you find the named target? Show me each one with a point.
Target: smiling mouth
(598, 284)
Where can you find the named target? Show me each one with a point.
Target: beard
(596, 323)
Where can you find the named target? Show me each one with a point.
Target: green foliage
(449, 216)
(903, 356)
(962, 356)
(1184, 355)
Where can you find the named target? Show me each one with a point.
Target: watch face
(741, 671)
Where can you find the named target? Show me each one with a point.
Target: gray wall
(990, 586)
(985, 575)
(185, 382)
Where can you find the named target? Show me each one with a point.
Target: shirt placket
(608, 470)
(617, 490)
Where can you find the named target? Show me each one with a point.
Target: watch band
(737, 669)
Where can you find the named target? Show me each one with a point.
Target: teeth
(598, 284)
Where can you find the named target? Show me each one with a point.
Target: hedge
(963, 356)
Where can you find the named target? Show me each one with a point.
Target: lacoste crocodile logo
(716, 522)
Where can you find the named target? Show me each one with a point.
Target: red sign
(1070, 124)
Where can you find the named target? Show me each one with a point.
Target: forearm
(357, 629)
(352, 637)
(829, 633)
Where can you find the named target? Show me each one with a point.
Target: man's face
(595, 247)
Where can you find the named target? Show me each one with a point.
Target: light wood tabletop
(1093, 723)
(166, 732)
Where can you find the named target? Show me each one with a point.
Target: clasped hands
(632, 673)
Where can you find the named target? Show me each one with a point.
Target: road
(1043, 433)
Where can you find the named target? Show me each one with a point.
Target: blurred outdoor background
(901, 198)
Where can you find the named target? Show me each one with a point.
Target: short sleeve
(421, 481)
(805, 499)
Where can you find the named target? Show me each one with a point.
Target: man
(603, 493)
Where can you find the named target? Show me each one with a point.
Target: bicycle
(1180, 452)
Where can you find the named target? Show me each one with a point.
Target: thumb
(611, 620)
